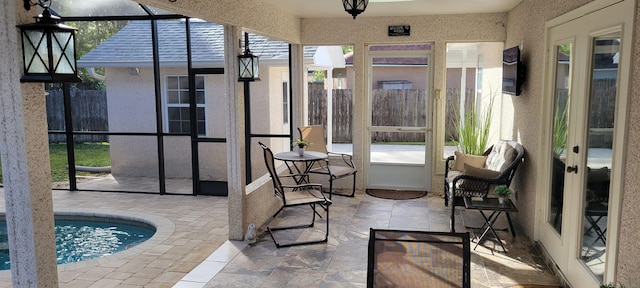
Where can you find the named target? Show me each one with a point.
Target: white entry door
(586, 88)
(399, 129)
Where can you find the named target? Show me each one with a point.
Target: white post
(463, 85)
(330, 109)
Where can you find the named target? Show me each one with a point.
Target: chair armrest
(305, 185)
(492, 181)
(467, 185)
(448, 165)
(348, 159)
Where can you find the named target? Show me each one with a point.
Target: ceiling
(334, 8)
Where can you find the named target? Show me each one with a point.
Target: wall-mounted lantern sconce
(248, 63)
(48, 48)
(355, 7)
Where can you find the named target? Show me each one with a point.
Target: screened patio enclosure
(152, 102)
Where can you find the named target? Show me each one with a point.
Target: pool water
(79, 240)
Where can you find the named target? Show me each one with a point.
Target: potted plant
(301, 144)
(503, 192)
(610, 285)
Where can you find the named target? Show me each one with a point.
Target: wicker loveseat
(476, 176)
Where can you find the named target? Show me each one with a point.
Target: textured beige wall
(131, 109)
(525, 27)
(485, 27)
(262, 202)
(628, 248)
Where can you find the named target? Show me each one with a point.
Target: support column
(360, 104)
(330, 108)
(298, 100)
(235, 134)
(24, 150)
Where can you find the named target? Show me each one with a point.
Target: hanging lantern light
(355, 7)
(248, 64)
(48, 48)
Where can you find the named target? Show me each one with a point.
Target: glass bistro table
(493, 205)
(300, 165)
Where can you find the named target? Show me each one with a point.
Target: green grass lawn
(87, 154)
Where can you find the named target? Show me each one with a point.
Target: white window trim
(166, 105)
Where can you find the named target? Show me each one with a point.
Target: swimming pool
(80, 237)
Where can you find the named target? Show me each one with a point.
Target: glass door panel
(580, 213)
(602, 98)
(398, 147)
(400, 117)
(559, 134)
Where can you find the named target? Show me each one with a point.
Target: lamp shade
(249, 69)
(48, 50)
(248, 64)
(355, 7)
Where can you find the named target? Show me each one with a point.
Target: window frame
(167, 105)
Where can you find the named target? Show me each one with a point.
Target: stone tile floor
(194, 227)
(342, 262)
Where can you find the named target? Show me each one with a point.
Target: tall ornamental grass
(560, 128)
(473, 129)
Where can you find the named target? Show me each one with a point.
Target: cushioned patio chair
(293, 196)
(335, 169)
(399, 258)
(476, 176)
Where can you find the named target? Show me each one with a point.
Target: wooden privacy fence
(88, 111)
(602, 108)
(342, 112)
(404, 108)
(452, 107)
(391, 108)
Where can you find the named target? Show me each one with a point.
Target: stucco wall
(628, 248)
(25, 161)
(260, 197)
(131, 106)
(485, 27)
(502, 110)
(526, 28)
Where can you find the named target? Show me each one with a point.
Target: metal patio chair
(335, 169)
(399, 258)
(296, 195)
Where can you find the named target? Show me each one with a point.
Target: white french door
(587, 73)
(399, 129)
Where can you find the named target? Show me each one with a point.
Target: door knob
(573, 169)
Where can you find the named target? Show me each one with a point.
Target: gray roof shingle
(131, 46)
